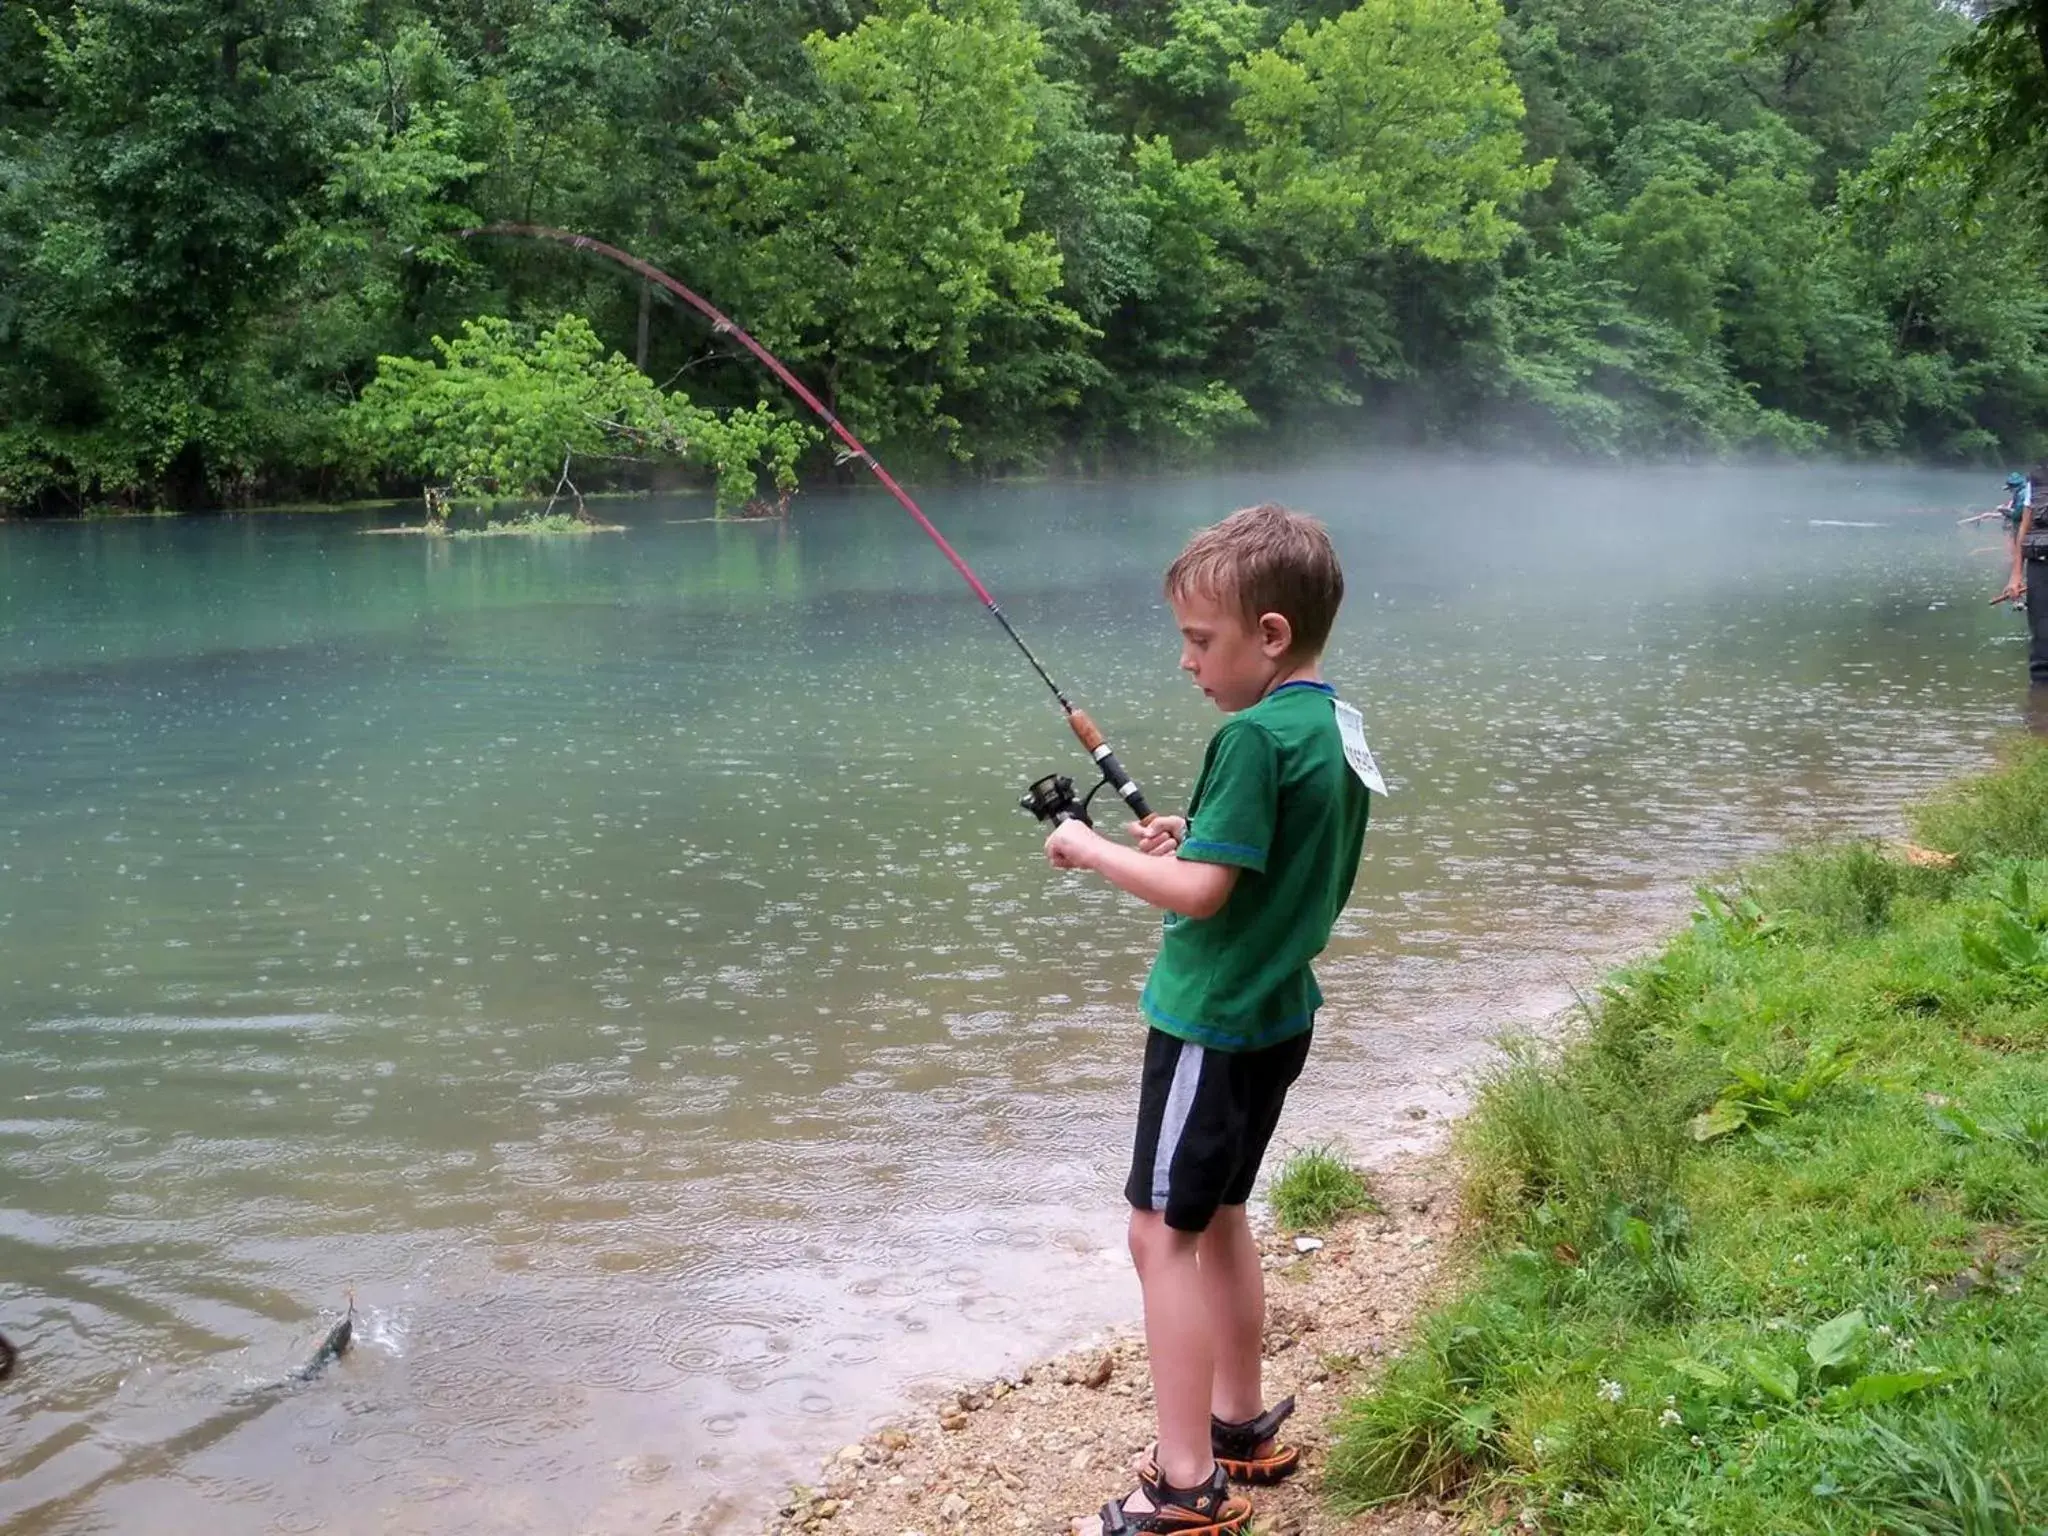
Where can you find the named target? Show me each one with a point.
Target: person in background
(2019, 495)
(2029, 581)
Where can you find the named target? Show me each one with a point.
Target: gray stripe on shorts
(1180, 1098)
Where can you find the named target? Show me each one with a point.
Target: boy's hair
(1266, 559)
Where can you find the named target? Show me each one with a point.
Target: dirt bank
(1029, 1452)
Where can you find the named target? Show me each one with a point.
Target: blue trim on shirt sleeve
(1202, 850)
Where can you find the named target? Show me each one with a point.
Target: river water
(622, 960)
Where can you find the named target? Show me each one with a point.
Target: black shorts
(1204, 1120)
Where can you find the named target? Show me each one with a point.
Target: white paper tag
(1351, 726)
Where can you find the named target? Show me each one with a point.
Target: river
(622, 959)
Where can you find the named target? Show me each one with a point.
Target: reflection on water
(622, 961)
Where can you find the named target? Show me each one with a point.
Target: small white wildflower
(1884, 1330)
(1612, 1391)
(1538, 1447)
(1696, 1440)
(1798, 1258)
(1571, 1496)
(1670, 1417)
(1929, 1289)
(1527, 1518)
(1908, 1345)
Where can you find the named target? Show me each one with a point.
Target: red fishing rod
(1052, 798)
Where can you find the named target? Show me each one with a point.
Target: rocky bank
(1029, 1452)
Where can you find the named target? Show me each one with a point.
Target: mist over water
(622, 960)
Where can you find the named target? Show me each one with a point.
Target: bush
(502, 415)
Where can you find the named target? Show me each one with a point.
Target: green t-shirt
(1277, 799)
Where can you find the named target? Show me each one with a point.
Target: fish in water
(7, 1358)
(334, 1346)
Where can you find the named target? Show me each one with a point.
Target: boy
(1251, 881)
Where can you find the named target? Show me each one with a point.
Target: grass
(1764, 1245)
(1314, 1186)
(2004, 815)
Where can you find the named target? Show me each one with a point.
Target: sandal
(1236, 1446)
(1207, 1510)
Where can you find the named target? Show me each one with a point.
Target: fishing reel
(1053, 801)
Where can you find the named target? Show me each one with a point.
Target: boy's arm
(1179, 885)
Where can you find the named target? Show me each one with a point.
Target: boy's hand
(1161, 836)
(1073, 845)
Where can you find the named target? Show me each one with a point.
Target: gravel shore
(1030, 1452)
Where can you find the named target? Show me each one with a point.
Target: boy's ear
(1276, 634)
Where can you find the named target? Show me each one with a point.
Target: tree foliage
(1022, 233)
(496, 417)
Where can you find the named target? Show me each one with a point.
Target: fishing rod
(1051, 799)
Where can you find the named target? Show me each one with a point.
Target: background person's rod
(1084, 729)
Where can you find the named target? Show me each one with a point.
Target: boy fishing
(1251, 881)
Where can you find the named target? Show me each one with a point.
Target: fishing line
(1084, 729)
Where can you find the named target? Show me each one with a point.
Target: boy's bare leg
(1235, 1289)
(1180, 1338)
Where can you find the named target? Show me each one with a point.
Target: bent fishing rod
(1051, 799)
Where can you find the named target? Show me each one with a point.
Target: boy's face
(1232, 663)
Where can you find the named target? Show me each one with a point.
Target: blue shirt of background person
(2019, 498)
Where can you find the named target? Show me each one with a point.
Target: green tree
(177, 141)
(1385, 135)
(878, 239)
(1396, 123)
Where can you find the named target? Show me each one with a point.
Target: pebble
(1307, 1244)
(954, 1421)
(825, 1509)
(894, 1440)
(953, 1508)
(1079, 1461)
(853, 1453)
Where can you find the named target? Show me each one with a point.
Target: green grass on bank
(1764, 1247)
(1314, 1186)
